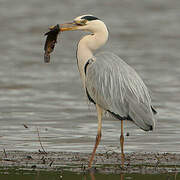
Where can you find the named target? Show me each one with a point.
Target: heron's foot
(122, 167)
(122, 160)
(92, 170)
(87, 169)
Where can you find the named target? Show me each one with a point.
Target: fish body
(51, 40)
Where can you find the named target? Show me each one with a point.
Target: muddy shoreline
(146, 163)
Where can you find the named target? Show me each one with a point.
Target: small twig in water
(25, 126)
(51, 163)
(40, 142)
(5, 153)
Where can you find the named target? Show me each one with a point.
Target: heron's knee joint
(98, 135)
(122, 138)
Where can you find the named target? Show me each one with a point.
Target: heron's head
(86, 22)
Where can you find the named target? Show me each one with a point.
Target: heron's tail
(142, 116)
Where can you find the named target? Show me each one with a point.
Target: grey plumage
(117, 88)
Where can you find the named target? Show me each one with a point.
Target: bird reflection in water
(92, 176)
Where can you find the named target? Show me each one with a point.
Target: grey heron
(109, 82)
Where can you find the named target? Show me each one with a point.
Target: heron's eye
(81, 22)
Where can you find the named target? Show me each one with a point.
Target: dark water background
(146, 34)
(67, 176)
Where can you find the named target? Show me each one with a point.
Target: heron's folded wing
(115, 86)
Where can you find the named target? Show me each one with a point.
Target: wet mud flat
(109, 162)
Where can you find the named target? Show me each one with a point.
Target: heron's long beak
(68, 26)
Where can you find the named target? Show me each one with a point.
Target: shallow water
(50, 96)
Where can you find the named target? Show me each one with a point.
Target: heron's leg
(122, 144)
(98, 137)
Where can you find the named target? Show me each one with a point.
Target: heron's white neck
(87, 45)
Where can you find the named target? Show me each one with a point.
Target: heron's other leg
(98, 137)
(122, 144)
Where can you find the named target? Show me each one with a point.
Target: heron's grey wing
(116, 87)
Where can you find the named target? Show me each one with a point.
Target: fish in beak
(50, 42)
(52, 35)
